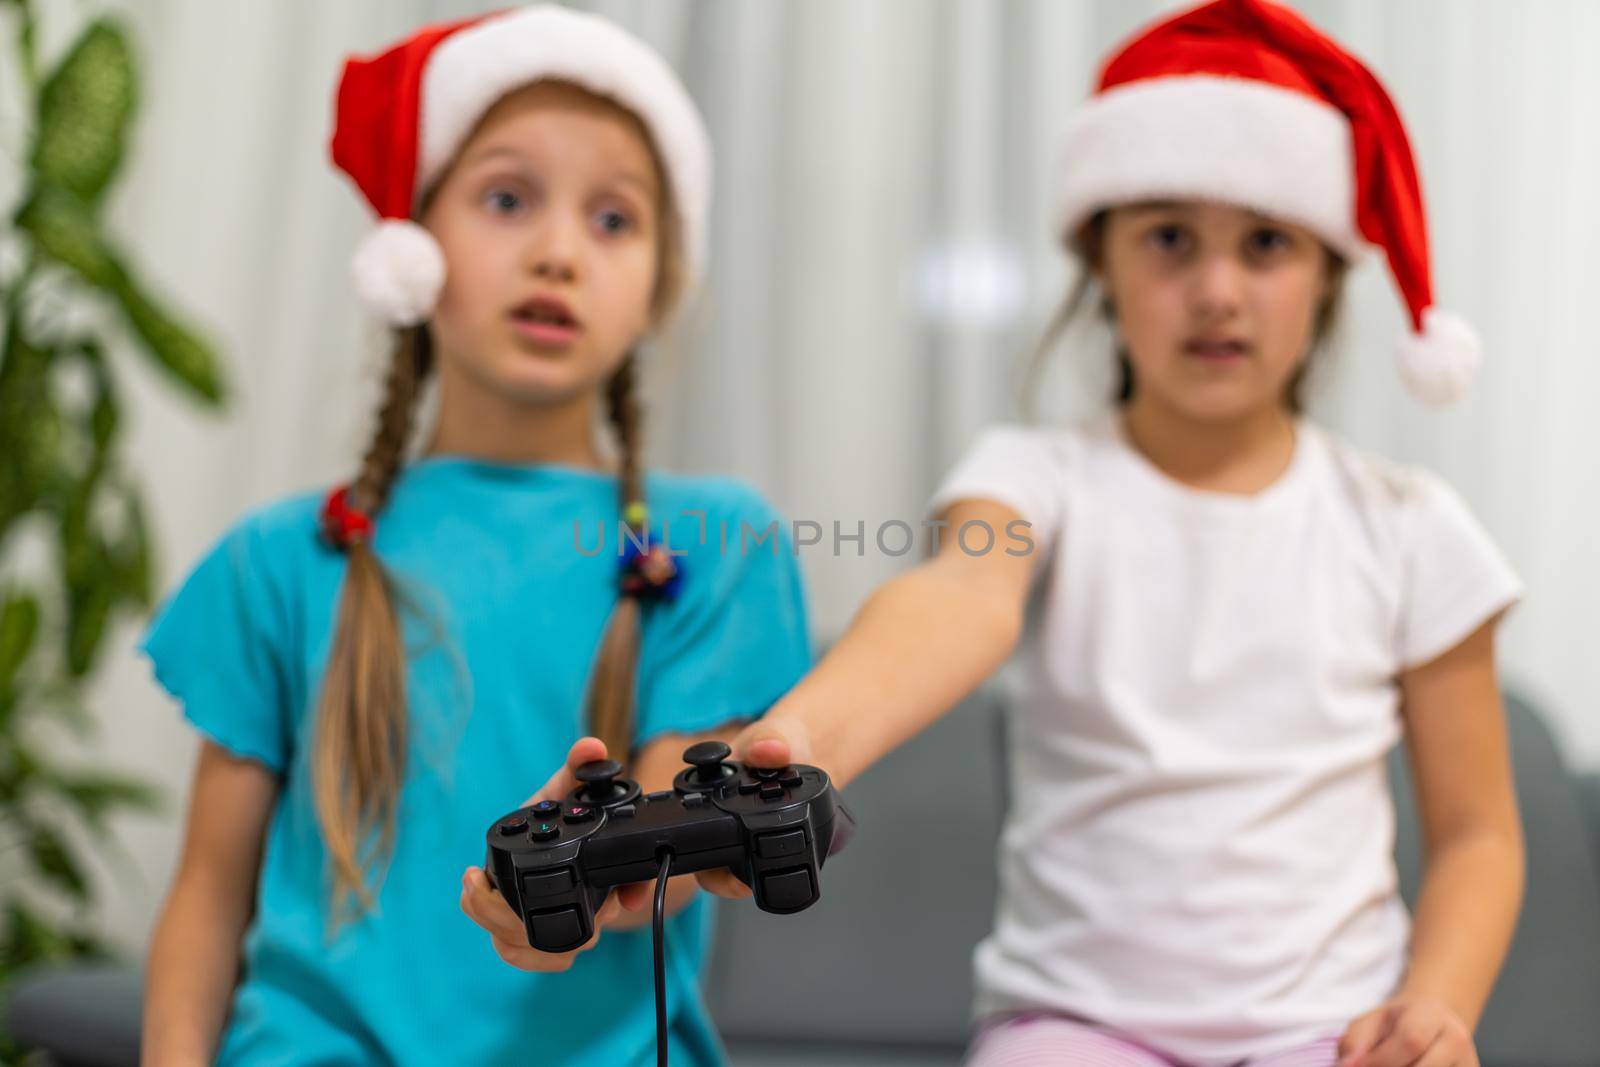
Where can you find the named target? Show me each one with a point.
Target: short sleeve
(735, 639)
(1456, 578)
(217, 646)
(1017, 466)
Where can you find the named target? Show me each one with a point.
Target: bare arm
(1473, 875)
(1473, 879)
(194, 953)
(918, 645)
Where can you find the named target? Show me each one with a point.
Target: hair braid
(358, 758)
(612, 687)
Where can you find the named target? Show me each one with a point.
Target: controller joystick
(707, 758)
(600, 785)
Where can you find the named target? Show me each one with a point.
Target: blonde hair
(358, 759)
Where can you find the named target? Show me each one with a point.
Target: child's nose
(553, 248)
(1218, 285)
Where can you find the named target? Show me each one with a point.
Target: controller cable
(657, 935)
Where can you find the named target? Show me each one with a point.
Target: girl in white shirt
(1237, 613)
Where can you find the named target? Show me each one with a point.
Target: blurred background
(882, 268)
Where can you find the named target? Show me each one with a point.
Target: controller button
(545, 809)
(788, 890)
(767, 773)
(545, 831)
(660, 794)
(746, 788)
(771, 790)
(694, 800)
(546, 883)
(623, 811)
(793, 781)
(513, 826)
(778, 845)
(558, 930)
(579, 813)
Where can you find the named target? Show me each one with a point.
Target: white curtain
(882, 267)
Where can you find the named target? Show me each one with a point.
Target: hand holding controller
(555, 862)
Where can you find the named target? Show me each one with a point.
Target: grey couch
(878, 973)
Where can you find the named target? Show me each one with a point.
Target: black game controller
(555, 862)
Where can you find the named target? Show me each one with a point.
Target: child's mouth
(1216, 349)
(546, 322)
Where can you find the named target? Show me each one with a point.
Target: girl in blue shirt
(374, 672)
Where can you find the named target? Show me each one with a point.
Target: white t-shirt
(1199, 846)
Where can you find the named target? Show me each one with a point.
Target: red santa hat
(402, 115)
(1244, 102)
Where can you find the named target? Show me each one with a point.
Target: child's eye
(502, 201)
(1268, 241)
(613, 221)
(1167, 237)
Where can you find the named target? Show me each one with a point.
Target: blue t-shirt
(510, 591)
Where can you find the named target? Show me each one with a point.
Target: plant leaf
(103, 415)
(173, 346)
(96, 794)
(64, 230)
(88, 609)
(83, 112)
(52, 859)
(133, 555)
(19, 623)
(30, 427)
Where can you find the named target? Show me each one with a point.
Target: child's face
(549, 224)
(1215, 304)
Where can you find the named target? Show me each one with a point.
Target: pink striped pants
(1031, 1040)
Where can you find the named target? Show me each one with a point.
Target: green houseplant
(74, 544)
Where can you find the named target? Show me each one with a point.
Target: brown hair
(1090, 246)
(358, 759)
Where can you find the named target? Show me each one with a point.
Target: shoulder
(1401, 508)
(251, 579)
(1378, 484)
(1027, 466)
(1039, 458)
(279, 530)
(288, 519)
(272, 547)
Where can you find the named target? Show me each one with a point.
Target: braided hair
(358, 762)
(612, 685)
(358, 758)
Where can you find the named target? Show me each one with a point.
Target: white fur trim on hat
(398, 270)
(473, 68)
(1439, 364)
(1209, 137)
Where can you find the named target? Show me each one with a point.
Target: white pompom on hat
(398, 270)
(402, 114)
(1244, 102)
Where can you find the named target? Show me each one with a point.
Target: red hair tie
(343, 525)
